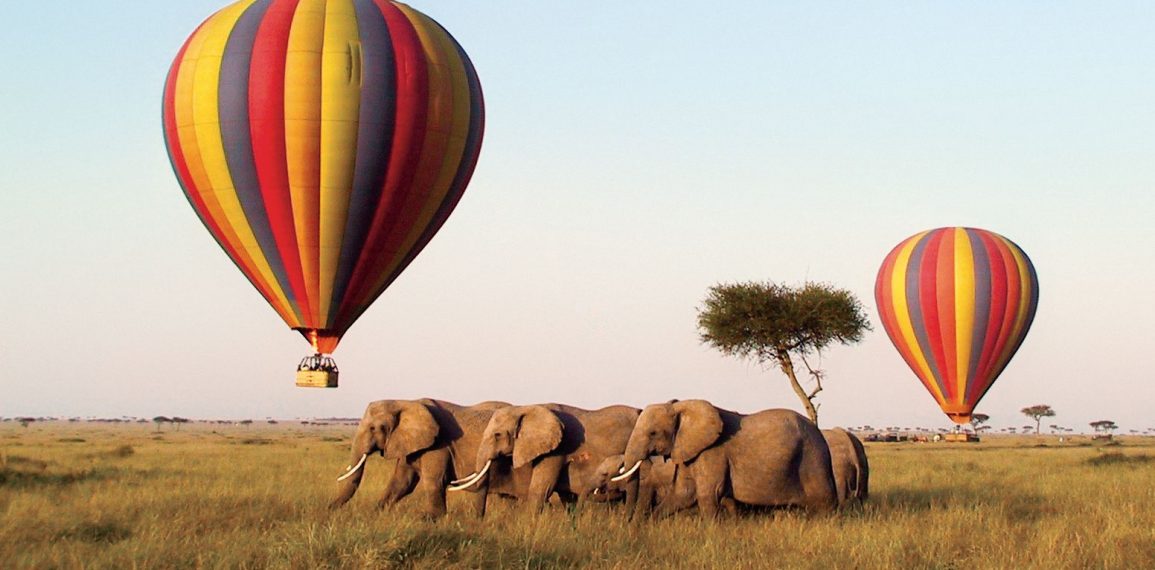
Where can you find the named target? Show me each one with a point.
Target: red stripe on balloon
(1011, 304)
(412, 109)
(946, 312)
(267, 125)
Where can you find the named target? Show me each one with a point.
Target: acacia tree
(772, 323)
(1104, 426)
(1038, 412)
(978, 420)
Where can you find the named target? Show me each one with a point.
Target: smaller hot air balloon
(957, 304)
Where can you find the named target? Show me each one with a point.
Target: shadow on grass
(96, 533)
(1118, 458)
(440, 547)
(1024, 507)
(22, 472)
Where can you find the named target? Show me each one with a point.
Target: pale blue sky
(635, 154)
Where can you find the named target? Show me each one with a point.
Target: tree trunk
(787, 366)
(1038, 420)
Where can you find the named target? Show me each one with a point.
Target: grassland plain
(77, 495)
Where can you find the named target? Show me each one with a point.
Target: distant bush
(71, 440)
(256, 441)
(122, 451)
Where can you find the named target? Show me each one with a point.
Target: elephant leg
(632, 497)
(401, 484)
(643, 500)
(730, 505)
(709, 485)
(431, 484)
(477, 499)
(542, 482)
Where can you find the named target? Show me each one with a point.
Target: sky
(635, 154)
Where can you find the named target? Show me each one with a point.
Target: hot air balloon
(322, 143)
(957, 304)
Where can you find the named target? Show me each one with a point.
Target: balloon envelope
(322, 143)
(957, 303)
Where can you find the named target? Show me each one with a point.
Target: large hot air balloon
(322, 143)
(957, 303)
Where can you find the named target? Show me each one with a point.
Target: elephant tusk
(469, 477)
(352, 470)
(472, 480)
(627, 474)
(597, 491)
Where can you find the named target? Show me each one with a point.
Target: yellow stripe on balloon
(446, 73)
(340, 110)
(964, 308)
(303, 141)
(902, 315)
(206, 116)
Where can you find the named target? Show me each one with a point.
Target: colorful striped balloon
(957, 304)
(323, 143)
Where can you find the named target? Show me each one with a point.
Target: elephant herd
(660, 460)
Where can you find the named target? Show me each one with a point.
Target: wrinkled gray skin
(561, 445)
(768, 458)
(851, 470)
(657, 483)
(433, 443)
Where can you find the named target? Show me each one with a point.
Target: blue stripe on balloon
(982, 269)
(233, 100)
(374, 141)
(465, 166)
(914, 303)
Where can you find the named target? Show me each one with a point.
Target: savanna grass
(256, 497)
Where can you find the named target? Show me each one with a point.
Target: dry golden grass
(123, 496)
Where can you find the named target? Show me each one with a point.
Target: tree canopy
(1104, 426)
(1038, 412)
(770, 322)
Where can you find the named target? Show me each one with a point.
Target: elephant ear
(538, 433)
(699, 426)
(414, 430)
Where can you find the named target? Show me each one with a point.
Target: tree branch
(816, 374)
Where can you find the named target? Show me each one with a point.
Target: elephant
(769, 458)
(848, 460)
(561, 445)
(432, 441)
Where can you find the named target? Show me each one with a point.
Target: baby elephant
(851, 470)
(659, 484)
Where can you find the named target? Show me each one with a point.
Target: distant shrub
(1117, 458)
(71, 440)
(256, 441)
(122, 451)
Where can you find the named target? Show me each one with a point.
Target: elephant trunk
(363, 446)
(635, 453)
(350, 481)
